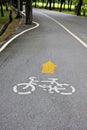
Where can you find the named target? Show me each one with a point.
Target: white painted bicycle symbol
(51, 85)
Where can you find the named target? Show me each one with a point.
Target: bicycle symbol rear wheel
(23, 87)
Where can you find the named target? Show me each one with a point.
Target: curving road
(60, 39)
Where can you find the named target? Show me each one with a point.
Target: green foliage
(75, 2)
(84, 1)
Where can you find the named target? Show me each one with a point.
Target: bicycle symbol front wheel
(26, 89)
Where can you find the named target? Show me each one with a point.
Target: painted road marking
(51, 85)
(48, 67)
(8, 42)
(66, 29)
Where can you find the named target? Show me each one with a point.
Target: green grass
(11, 28)
(4, 19)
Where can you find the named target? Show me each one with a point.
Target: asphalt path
(61, 39)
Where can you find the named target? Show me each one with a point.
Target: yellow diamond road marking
(48, 67)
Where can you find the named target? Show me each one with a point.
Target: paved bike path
(24, 57)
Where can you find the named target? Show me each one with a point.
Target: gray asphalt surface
(24, 57)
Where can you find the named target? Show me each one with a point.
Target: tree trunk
(10, 16)
(62, 1)
(47, 1)
(35, 3)
(2, 13)
(6, 6)
(50, 4)
(42, 3)
(53, 4)
(18, 1)
(78, 11)
(21, 5)
(28, 11)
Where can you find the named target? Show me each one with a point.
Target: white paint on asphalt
(51, 85)
(66, 29)
(17, 35)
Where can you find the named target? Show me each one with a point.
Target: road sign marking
(51, 85)
(48, 67)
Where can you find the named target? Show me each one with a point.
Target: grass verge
(12, 26)
(10, 29)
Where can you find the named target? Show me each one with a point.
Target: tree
(14, 3)
(69, 4)
(54, 4)
(6, 4)
(21, 5)
(78, 11)
(1, 4)
(28, 11)
(42, 3)
(50, 1)
(62, 1)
